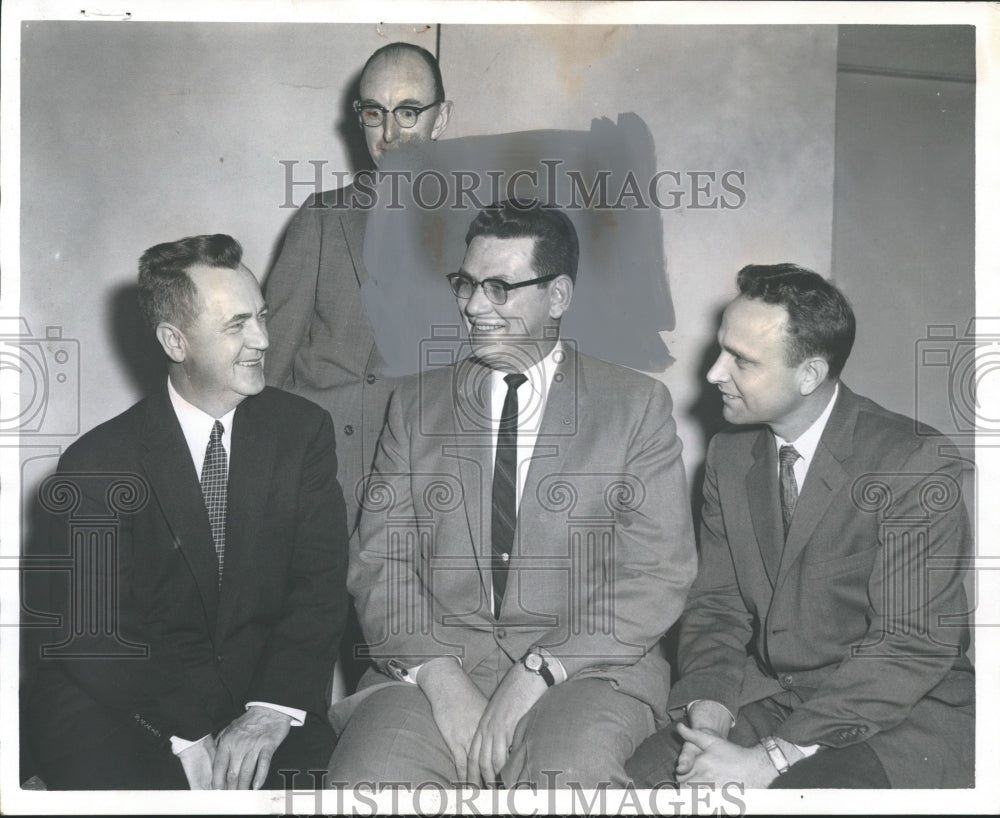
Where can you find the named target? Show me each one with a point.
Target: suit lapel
(175, 483)
(765, 508)
(353, 223)
(824, 479)
(470, 427)
(251, 465)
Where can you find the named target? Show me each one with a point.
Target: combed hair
(166, 291)
(820, 319)
(556, 251)
(395, 49)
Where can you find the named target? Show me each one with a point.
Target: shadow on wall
(133, 341)
(706, 411)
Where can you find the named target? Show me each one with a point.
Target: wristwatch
(534, 661)
(774, 752)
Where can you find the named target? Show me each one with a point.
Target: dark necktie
(505, 490)
(213, 488)
(786, 483)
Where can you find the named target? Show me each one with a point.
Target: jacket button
(787, 680)
(219, 657)
(348, 429)
(500, 633)
(371, 379)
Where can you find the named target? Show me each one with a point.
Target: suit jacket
(177, 655)
(603, 554)
(860, 622)
(322, 345)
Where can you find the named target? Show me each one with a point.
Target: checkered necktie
(786, 483)
(213, 488)
(505, 490)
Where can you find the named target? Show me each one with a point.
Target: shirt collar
(539, 374)
(197, 426)
(807, 442)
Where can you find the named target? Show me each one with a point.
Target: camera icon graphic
(966, 369)
(41, 381)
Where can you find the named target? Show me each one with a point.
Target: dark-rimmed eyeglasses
(372, 115)
(495, 289)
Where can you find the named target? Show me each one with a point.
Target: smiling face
(401, 78)
(757, 383)
(219, 355)
(515, 335)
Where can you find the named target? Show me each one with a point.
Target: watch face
(533, 662)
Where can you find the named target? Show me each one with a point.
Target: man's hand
(720, 761)
(245, 747)
(518, 691)
(457, 705)
(197, 763)
(710, 717)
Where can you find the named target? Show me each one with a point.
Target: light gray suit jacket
(604, 551)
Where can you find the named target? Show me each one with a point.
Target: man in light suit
(222, 591)
(824, 641)
(323, 345)
(525, 541)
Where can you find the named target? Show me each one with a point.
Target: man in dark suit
(525, 541)
(223, 586)
(824, 642)
(322, 338)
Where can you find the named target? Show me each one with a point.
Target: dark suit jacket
(322, 344)
(604, 549)
(860, 623)
(196, 655)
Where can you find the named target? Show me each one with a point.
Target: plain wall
(137, 133)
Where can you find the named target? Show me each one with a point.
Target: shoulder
(111, 442)
(290, 409)
(616, 381)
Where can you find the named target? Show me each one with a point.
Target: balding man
(322, 340)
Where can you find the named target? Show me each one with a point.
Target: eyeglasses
(373, 115)
(495, 289)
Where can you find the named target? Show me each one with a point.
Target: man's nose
(478, 303)
(390, 128)
(718, 373)
(258, 338)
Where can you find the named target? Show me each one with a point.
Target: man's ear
(812, 373)
(173, 342)
(442, 118)
(560, 296)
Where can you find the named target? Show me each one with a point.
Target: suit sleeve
(653, 562)
(301, 649)
(392, 600)
(917, 607)
(290, 292)
(716, 626)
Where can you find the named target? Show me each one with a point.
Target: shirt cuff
(808, 750)
(559, 674)
(178, 745)
(732, 718)
(408, 674)
(298, 717)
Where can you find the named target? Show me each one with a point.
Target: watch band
(775, 754)
(542, 669)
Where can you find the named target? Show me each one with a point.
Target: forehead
(752, 324)
(223, 292)
(395, 77)
(492, 257)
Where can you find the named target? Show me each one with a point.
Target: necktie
(787, 485)
(505, 490)
(213, 489)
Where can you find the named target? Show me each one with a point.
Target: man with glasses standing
(524, 542)
(322, 341)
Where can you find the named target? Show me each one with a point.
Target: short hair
(556, 250)
(395, 49)
(166, 291)
(820, 319)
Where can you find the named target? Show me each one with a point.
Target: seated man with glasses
(322, 339)
(525, 540)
